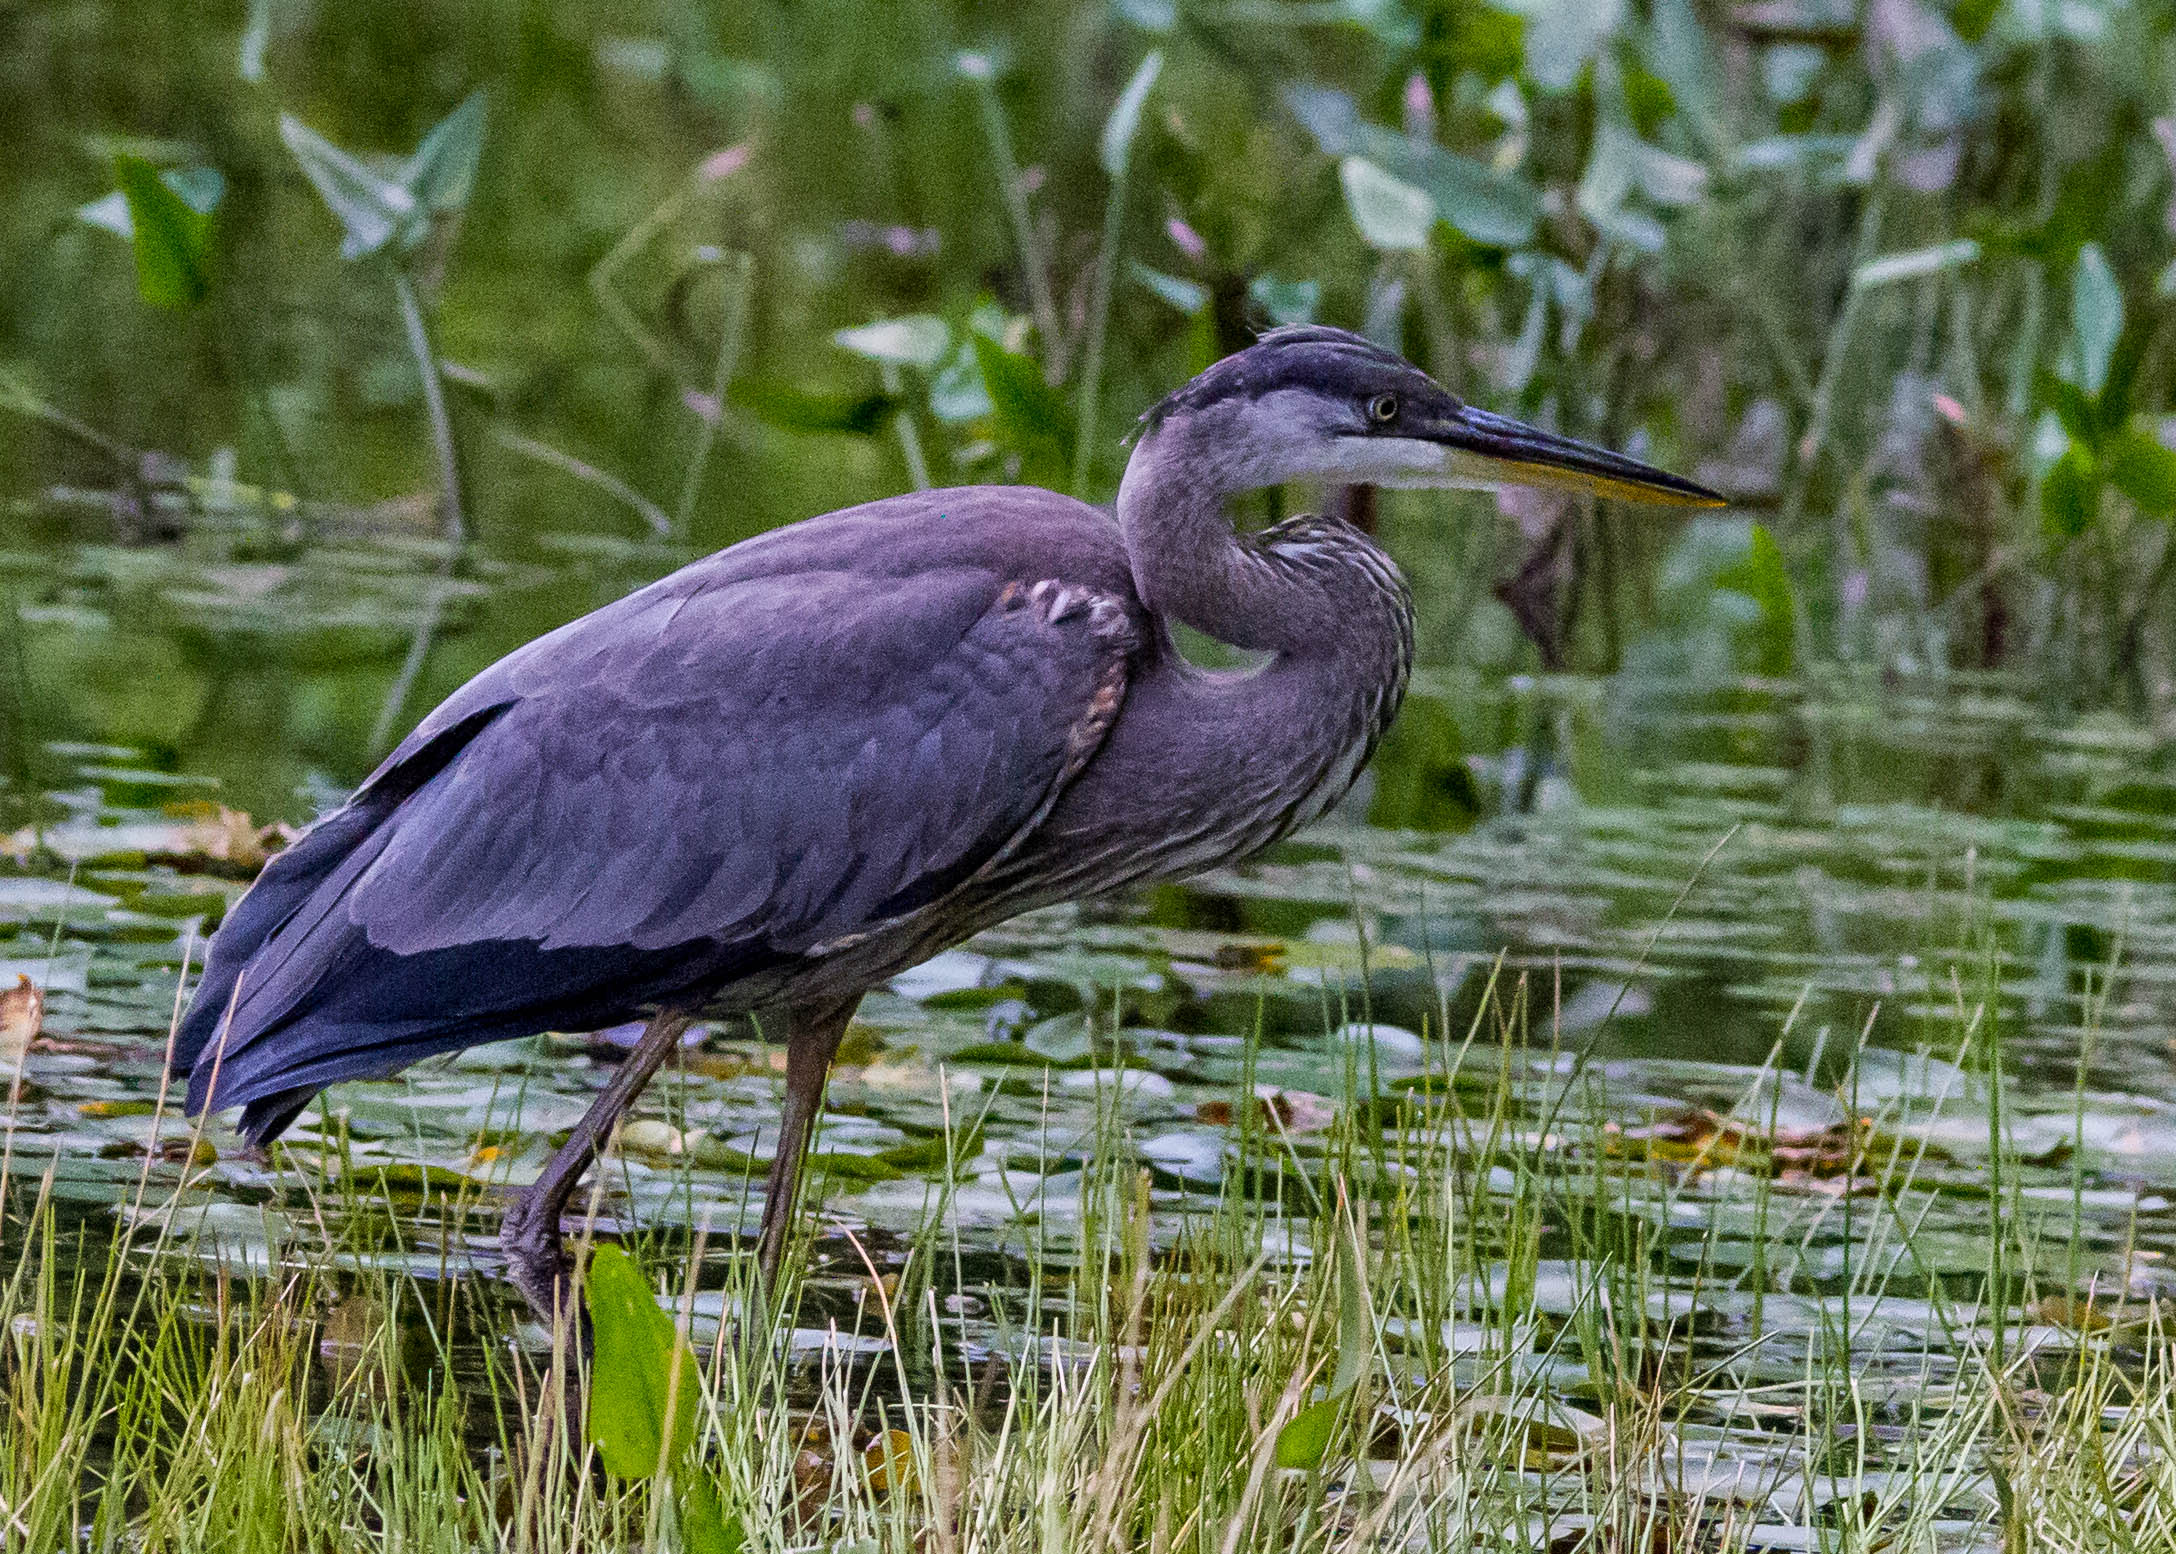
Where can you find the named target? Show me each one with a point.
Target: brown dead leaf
(1294, 1111)
(216, 839)
(2080, 1316)
(22, 1013)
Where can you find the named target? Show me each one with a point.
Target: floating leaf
(170, 230)
(1116, 148)
(1391, 214)
(644, 1379)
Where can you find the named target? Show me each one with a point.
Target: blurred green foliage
(1897, 275)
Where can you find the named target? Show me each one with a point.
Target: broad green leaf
(704, 1526)
(799, 409)
(1494, 208)
(1914, 263)
(1563, 35)
(913, 340)
(1391, 214)
(441, 175)
(1029, 416)
(170, 226)
(1286, 302)
(2078, 415)
(1189, 297)
(369, 207)
(2144, 469)
(1761, 576)
(2096, 316)
(2070, 494)
(1116, 149)
(1063, 1038)
(1305, 1439)
(632, 1380)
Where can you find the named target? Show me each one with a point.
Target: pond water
(1704, 924)
(1740, 898)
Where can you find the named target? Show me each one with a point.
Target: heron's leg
(536, 1260)
(812, 1038)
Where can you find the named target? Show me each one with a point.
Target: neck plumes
(1308, 588)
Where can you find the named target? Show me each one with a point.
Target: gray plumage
(791, 769)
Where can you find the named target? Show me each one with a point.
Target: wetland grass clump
(1472, 1313)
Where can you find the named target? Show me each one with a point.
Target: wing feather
(683, 787)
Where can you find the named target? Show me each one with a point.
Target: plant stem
(1099, 316)
(742, 268)
(1042, 301)
(434, 406)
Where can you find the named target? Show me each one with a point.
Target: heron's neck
(1190, 565)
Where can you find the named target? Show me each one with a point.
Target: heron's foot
(537, 1264)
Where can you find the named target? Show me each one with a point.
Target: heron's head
(1308, 402)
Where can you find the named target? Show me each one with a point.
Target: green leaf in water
(643, 1380)
(170, 229)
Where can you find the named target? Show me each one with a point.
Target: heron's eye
(1383, 409)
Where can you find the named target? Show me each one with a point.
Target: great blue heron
(792, 769)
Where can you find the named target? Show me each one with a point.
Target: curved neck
(1188, 563)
